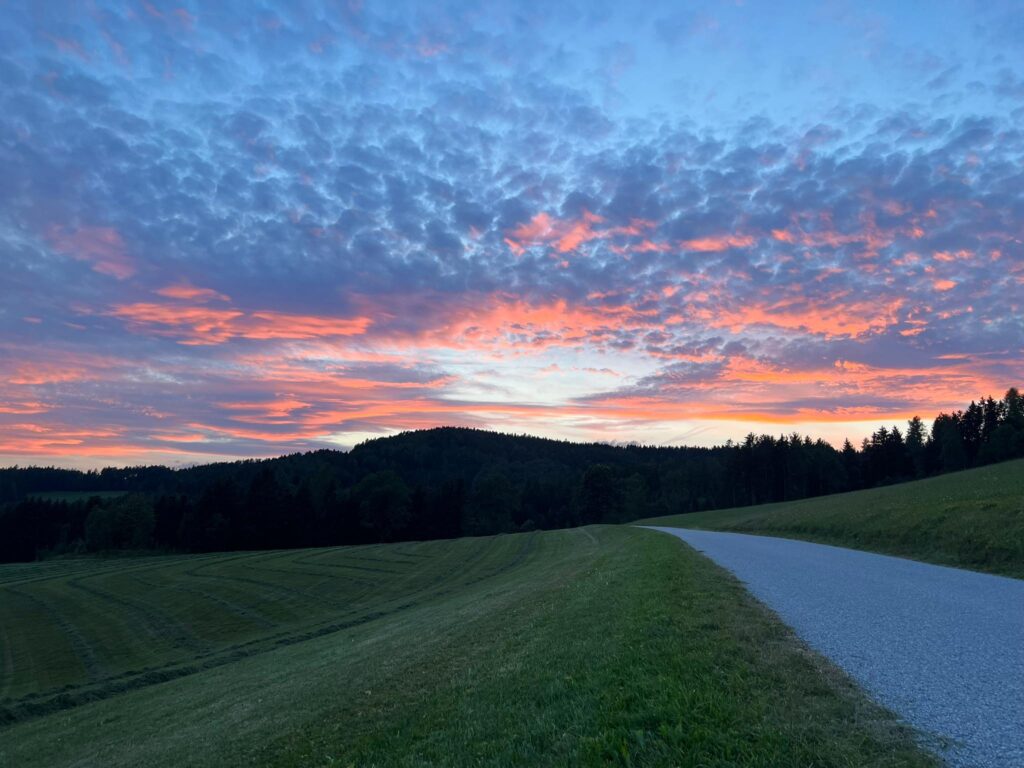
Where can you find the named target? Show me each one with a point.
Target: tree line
(450, 482)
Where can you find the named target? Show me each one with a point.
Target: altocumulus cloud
(233, 232)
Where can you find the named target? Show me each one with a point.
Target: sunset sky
(253, 228)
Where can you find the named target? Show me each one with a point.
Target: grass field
(88, 627)
(596, 646)
(972, 519)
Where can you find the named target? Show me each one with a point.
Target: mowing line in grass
(603, 646)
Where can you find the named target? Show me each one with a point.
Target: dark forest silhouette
(450, 482)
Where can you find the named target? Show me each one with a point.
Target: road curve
(941, 647)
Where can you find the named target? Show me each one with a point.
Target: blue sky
(242, 229)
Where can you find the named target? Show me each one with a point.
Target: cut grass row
(972, 519)
(598, 646)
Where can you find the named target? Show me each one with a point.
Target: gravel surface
(941, 647)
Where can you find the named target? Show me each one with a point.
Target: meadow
(972, 519)
(601, 645)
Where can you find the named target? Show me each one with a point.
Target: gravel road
(941, 647)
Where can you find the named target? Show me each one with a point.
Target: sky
(243, 229)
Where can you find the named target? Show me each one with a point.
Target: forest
(449, 482)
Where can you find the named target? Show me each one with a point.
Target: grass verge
(599, 646)
(972, 519)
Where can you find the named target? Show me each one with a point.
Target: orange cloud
(200, 325)
(193, 324)
(188, 292)
(872, 236)
(322, 403)
(753, 390)
(23, 408)
(961, 255)
(717, 243)
(832, 317)
(83, 447)
(316, 424)
(273, 408)
(56, 367)
(648, 246)
(281, 325)
(29, 374)
(58, 440)
(566, 235)
(504, 321)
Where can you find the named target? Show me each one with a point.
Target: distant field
(972, 519)
(595, 646)
(75, 495)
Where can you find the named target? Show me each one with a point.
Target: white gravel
(941, 647)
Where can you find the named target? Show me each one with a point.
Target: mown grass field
(972, 519)
(597, 646)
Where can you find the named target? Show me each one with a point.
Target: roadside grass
(596, 646)
(972, 519)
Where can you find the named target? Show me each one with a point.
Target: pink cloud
(565, 235)
(189, 292)
(22, 407)
(717, 243)
(198, 325)
(102, 247)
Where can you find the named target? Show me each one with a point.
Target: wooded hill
(450, 482)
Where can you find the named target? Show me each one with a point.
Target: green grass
(972, 519)
(597, 646)
(88, 626)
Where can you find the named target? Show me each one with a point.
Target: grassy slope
(972, 519)
(596, 646)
